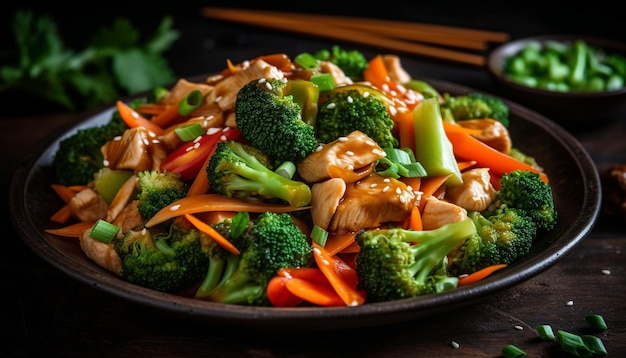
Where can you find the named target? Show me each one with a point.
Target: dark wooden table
(45, 313)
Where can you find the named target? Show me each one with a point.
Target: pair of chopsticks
(434, 41)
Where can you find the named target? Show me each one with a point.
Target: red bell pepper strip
(188, 159)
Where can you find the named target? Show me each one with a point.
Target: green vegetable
(191, 101)
(272, 121)
(545, 332)
(189, 132)
(501, 238)
(573, 344)
(575, 66)
(107, 182)
(103, 231)
(351, 62)
(355, 107)
(399, 163)
(273, 241)
(79, 156)
(167, 262)
(474, 105)
(432, 148)
(596, 322)
(114, 64)
(158, 189)
(396, 263)
(240, 170)
(524, 190)
(512, 351)
(595, 345)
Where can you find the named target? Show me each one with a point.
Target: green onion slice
(306, 61)
(512, 351)
(596, 321)
(319, 235)
(595, 345)
(103, 231)
(191, 101)
(189, 132)
(573, 344)
(324, 81)
(545, 332)
(287, 169)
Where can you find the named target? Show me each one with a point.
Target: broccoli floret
(397, 263)
(475, 105)
(240, 170)
(157, 190)
(501, 238)
(352, 63)
(272, 242)
(79, 156)
(524, 190)
(166, 262)
(272, 122)
(348, 108)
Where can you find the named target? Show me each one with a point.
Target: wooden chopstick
(370, 32)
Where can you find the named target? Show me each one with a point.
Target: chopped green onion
(306, 61)
(190, 132)
(324, 81)
(512, 351)
(596, 322)
(191, 101)
(319, 235)
(595, 345)
(103, 231)
(400, 162)
(545, 332)
(573, 344)
(287, 169)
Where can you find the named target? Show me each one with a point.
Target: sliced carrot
(406, 134)
(168, 116)
(467, 147)
(480, 274)
(151, 108)
(134, 119)
(314, 292)
(415, 220)
(464, 165)
(413, 182)
(306, 273)
(62, 215)
(214, 234)
(337, 242)
(429, 187)
(451, 127)
(64, 192)
(341, 276)
(278, 294)
(200, 184)
(73, 230)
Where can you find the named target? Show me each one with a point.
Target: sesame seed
(570, 303)
(330, 106)
(212, 130)
(369, 142)
(262, 80)
(175, 207)
(117, 138)
(105, 163)
(342, 139)
(349, 152)
(350, 167)
(386, 188)
(606, 272)
(269, 86)
(349, 99)
(223, 138)
(519, 328)
(188, 149)
(217, 99)
(144, 231)
(366, 94)
(385, 87)
(387, 180)
(145, 141)
(373, 185)
(455, 345)
(393, 110)
(379, 152)
(320, 147)
(197, 139)
(226, 129)
(196, 145)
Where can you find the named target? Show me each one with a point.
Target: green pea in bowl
(577, 81)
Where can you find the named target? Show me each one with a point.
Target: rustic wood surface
(45, 313)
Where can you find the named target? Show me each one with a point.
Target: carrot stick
(415, 221)
(466, 164)
(64, 192)
(314, 292)
(134, 119)
(480, 274)
(151, 108)
(450, 127)
(430, 185)
(207, 229)
(278, 294)
(341, 276)
(167, 117)
(215, 202)
(62, 215)
(200, 184)
(353, 248)
(306, 273)
(404, 121)
(73, 230)
(467, 147)
(337, 242)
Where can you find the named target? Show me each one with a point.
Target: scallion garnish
(573, 344)
(596, 322)
(324, 81)
(191, 101)
(595, 345)
(512, 351)
(306, 61)
(287, 169)
(545, 332)
(189, 132)
(103, 230)
(319, 235)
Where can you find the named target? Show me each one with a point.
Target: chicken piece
(129, 218)
(182, 88)
(325, 198)
(351, 158)
(372, 201)
(438, 213)
(88, 205)
(226, 90)
(493, 133)
(137, 149)
(476, 193)
(339, 76)
(103, 254)
(396, 72)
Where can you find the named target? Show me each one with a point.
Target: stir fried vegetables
(364, 174)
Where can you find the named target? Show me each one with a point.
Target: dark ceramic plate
(573, 176)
